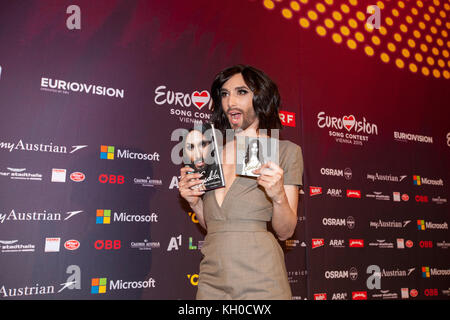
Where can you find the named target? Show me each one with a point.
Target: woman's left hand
(271, 178)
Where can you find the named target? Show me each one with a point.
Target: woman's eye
(223, 94)
(242, 92)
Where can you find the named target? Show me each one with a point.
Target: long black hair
(266, 98)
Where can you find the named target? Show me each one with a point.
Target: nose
(231, 100)
(197, 153)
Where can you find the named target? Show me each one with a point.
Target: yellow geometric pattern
(413, 34)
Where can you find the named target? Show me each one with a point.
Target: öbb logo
(107, 244)
(111, 179)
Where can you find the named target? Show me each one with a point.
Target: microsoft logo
(98, 285)
(420, 224)
(416, 180)
(107, 152)
(425, 272)
(103, 216)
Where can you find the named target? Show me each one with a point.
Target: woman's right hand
(188, 180)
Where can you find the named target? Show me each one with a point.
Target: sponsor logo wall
(89, 202)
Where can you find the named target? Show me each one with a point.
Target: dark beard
(247, 121)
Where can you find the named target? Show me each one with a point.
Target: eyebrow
(237, 88)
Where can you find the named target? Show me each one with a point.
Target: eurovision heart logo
(200, 99)
(349, 122)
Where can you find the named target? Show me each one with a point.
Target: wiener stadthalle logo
(101, 285)
(111, 153)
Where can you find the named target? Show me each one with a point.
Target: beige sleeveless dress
(242, 260)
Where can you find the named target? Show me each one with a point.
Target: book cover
(253, 152)
(201, 153)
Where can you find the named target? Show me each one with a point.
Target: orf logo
(287, 118)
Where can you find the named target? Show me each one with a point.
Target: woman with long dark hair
(242, 260)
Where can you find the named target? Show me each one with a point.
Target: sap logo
(74, 20)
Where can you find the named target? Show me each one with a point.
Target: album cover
(201, 153)
(253, 152)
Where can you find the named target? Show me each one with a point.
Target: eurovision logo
(347, 129)
(66, 87)
(180, 104)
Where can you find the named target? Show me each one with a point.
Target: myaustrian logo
(66, 87)
(111, 153)
(101, 285)
(39, 147)
(18, 216)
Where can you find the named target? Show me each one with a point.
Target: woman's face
(254, 148)
(197, 148)
(237, 103)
